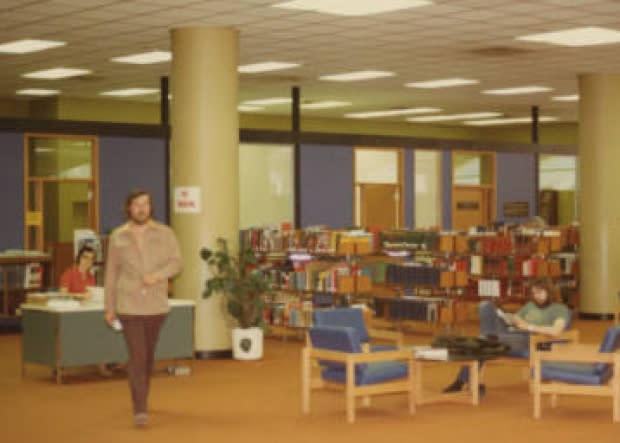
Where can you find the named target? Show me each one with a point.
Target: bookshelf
(423, 276)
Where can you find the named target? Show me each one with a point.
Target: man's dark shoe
(455, 387)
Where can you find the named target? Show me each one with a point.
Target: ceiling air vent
(500, 51)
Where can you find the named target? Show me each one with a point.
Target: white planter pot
(247, 344)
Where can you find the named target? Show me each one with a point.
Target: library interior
(368, 198)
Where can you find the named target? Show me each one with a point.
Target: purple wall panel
(12, 190)
(326, 185)
(516, 182)
(127, 163)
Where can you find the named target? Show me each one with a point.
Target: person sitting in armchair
(541, 315)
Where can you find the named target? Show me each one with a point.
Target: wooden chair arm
(577, 354)
(325, 354)
(571, 336)
(385, 334)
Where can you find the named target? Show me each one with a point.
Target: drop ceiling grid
(429, 42)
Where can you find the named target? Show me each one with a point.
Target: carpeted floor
(225, 400)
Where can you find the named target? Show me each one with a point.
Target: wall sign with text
(187, 200)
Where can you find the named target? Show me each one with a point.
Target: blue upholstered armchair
(343, 364)
(354, 317)
(579, 369)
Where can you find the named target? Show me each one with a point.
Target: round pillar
(599, 166)
(204, 165)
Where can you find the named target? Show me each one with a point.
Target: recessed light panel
(508, 121)
(56, 73)
(518, 91)
(452, 117)
(356, 76)
(130, 92)
(325, 104)
(352, 7)
(145, 58)
(268, 101)
(566, 98)
(38, 92)
(443, 83)
(27, 46)
(392, 112)
(247, 108)
(586, 36)
(266, 67)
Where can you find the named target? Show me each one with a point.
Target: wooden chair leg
(537, 393)
(305, 380)
(412, 386)
(553, 401)
(350, 392)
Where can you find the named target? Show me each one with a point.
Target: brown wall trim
(271, 136)
(268, 136)
(83, 128)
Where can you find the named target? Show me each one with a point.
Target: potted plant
(244, 288)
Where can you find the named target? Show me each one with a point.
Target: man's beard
(139, 220)
(544, 304)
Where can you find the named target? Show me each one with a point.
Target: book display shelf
(407, 275)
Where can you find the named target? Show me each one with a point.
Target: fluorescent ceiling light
(130, 92)
(268, 101)
(392, 112)
(443, 83)
(452, 117)
(508, 121)
(356, 75)
(57, 73)
(247, 108)
(37, 92)
(566, 98)
(586, 36)
(325, 104)
(26, 46)
(517, 91)
(145, 58)
(266, 67)
(352, 7)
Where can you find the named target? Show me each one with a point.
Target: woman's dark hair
(547, 284)
(134, 195)
(82, 250)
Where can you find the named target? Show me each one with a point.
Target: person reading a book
(78, 278)
(541, 315)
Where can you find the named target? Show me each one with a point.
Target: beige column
(599, 166)
(204, 157)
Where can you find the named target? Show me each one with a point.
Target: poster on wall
(187, 200)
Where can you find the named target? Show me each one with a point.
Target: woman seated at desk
(77, 278)
(75, 281)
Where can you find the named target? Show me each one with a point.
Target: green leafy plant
(239, 280)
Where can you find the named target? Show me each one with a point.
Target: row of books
(311, 240)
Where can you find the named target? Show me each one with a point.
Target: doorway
(378, 187)
(473, 189)
(61, 193)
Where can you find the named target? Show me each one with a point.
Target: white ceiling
(443, 40)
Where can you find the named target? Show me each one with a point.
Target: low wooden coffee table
(471, 395)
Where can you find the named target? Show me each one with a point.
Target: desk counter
(62, 337)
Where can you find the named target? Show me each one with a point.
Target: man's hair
(82, 250)
(134, 195)
(548, 285)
